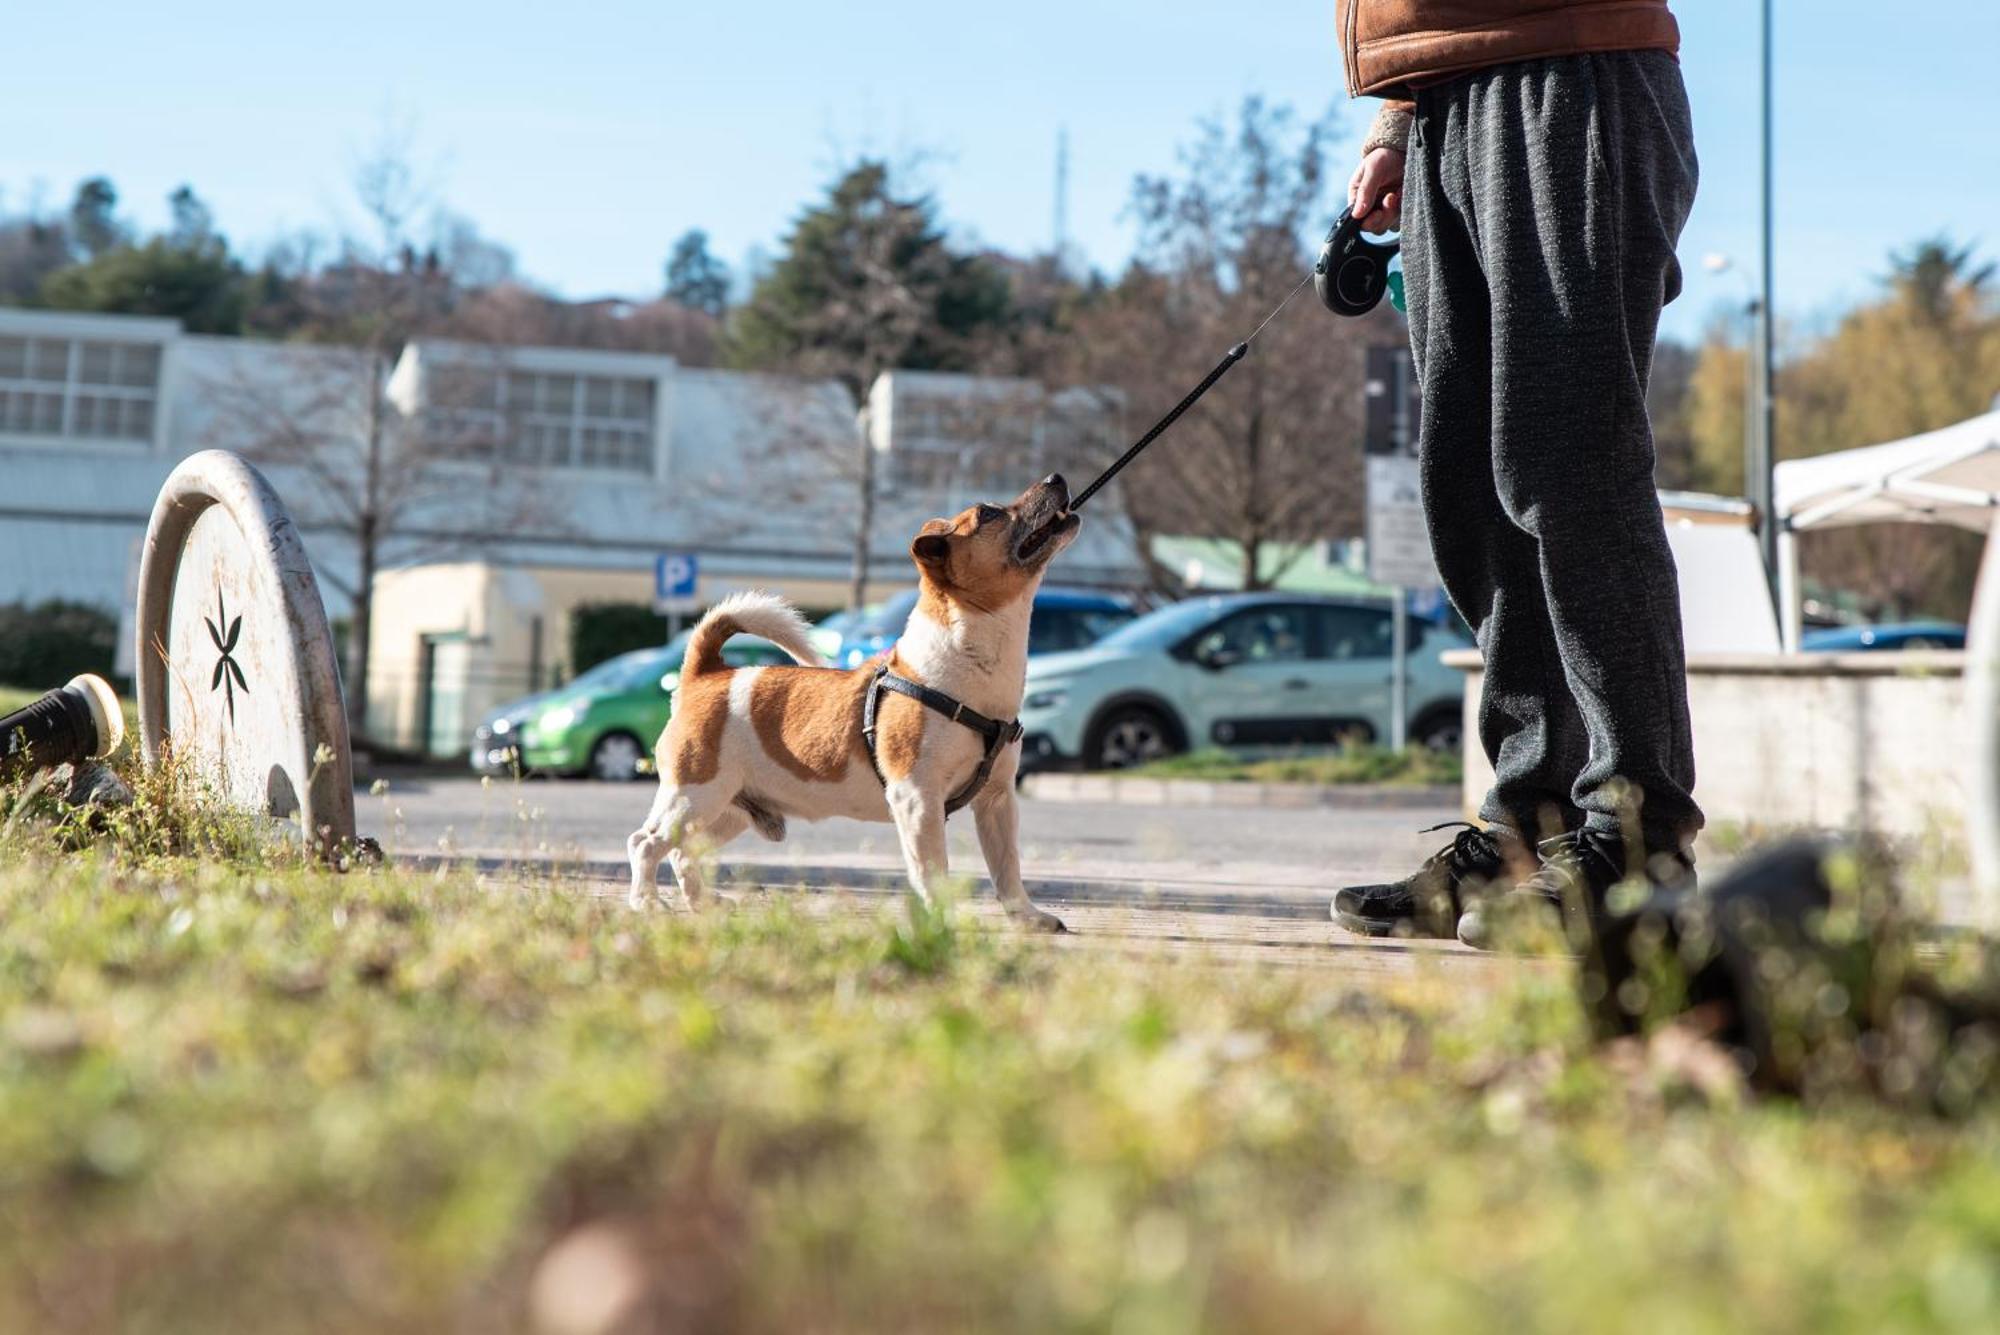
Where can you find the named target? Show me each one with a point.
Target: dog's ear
(931, 549)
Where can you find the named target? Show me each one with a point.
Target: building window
(987, 443)
(547, 419)
(928, 467)
(78, 389)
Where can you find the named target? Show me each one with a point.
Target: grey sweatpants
(1542, 203)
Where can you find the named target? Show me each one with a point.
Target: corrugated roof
(1217, 563)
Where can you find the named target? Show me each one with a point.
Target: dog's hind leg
(684, 821)
(996, 815)
(651, 842)
(700, 839)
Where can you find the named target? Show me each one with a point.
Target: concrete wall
(1843, 742)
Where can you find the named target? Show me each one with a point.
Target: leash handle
(1233, 356)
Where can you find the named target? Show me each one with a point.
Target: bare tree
(420, 486)
(923, 444)
(1271, 459)
(33, 245)
(800, 458)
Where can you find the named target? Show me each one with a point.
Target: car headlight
(502, 726)
(558, 718)
(1049, 697)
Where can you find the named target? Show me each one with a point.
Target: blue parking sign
(675, 575)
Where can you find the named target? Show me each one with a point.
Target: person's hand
(1376, 192)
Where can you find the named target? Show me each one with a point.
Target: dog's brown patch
(809, 720)
(690, 750)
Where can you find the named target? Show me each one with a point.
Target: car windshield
(1166, 627)
(630, 670)
(1058, 629)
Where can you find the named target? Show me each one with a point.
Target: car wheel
(616, 757)
(1134, 735)
(1442, 732)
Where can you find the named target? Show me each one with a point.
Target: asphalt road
(1288, 860)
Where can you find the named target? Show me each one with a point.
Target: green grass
(242, 1093)
(1413, 767)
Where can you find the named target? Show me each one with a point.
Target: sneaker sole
(1361, 926)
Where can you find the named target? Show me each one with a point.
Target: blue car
(1903, 635)
(1245, 672)
(1063, 619)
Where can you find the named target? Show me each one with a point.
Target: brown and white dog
(758, 745)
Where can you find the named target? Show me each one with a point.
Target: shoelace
(1471, 848)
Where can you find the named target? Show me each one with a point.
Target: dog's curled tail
(753, 613)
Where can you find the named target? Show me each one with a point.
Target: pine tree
(695, 278)
(867, 284)
(93, 221)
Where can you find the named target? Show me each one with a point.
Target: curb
(1131, 791)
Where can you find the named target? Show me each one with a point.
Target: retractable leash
(1351, 276)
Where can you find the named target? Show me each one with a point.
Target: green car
(604, 723)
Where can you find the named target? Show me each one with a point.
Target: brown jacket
(1393, 46)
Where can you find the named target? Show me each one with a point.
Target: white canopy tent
(1950, 476)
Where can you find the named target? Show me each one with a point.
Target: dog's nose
(1055, 482)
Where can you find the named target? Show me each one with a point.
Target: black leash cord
(1229, 359)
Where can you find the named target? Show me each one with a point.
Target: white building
(573, 469)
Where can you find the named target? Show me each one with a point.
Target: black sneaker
(1428, 902)
(1567, 894)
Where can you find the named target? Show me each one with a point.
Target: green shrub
(598, 631)
(43, 646)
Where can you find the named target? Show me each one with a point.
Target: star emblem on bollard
(228, 676)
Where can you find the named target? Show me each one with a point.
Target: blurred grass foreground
(240, 1093)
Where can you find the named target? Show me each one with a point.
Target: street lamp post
(1767, 433)
(1760, 431)
(1753, 420)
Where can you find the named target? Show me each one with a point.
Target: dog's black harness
(999, 736)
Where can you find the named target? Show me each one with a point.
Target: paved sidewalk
(1284, 860)
(1211, 884)
(1223, 882)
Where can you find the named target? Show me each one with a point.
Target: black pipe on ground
(74, 723)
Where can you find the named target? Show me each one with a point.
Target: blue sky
(588, 135)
